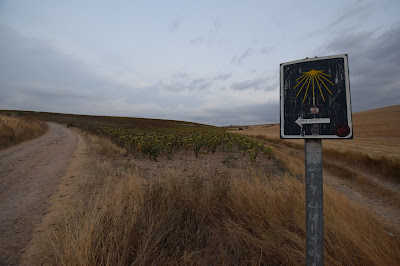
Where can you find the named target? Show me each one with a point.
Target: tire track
(374, 191)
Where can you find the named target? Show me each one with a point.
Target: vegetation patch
(389, 167)
(14, 130)
(220, 219)
(168, 141)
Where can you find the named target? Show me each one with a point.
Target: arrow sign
(300, 121)
(316, 92)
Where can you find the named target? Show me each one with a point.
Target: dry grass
(385, 165)
(389, 167)
(219, 219)
(204, 219)
(15, 130)
(121, 217)
(104, 146)
(376, 133)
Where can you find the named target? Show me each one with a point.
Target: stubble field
(376, 133)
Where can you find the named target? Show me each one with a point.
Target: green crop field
(154, 137)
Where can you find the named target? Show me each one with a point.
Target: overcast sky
(213, 62)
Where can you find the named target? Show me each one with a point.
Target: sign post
(315, 105)
(314, 202)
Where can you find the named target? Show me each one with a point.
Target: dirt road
(371, 189)
(29, 175)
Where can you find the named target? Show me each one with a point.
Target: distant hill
(382, 122)
(89, 122)
(376, 132)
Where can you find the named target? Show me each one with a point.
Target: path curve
(29, 175)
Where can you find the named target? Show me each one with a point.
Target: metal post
(314, 202)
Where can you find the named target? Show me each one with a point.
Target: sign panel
(315, 98)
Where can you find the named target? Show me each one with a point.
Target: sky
(212, 62)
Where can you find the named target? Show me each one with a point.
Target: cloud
(249, 114)
(238, 60)
(357, 12)
(351, 16)
(175, 23)
(37, 77)
(373, 66)
(264, 84)
(28, 59)
(181, 75)
(215, 27)
(222, 76)
(184, 82)
(206, 83)
(210, 36)
(197, 40)
(225, 115)
(266, 49)
(32, 63)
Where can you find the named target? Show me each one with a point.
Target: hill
(88, 122)
(376, 132)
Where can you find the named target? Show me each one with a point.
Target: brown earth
(376, 132)
(29, 174)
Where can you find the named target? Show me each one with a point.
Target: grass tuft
(104, 146)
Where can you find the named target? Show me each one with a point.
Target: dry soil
(29, 175)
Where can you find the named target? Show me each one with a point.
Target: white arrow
(300, 121)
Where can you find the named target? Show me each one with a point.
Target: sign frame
(348, 126)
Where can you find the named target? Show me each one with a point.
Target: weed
(229, 160)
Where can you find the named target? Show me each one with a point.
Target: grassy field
(375, 146)
(217, 198)
(125, 210)
(376, 132)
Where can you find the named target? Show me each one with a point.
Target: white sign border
(348, 96)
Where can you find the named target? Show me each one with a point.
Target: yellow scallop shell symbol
(310, 78)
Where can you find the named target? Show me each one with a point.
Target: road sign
(315, 98)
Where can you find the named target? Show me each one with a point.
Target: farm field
(376, 132)
(143, 191)
(366, 169)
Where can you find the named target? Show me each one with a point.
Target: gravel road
(29, 175)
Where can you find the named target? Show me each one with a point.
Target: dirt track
(379, 194)
(29, 175)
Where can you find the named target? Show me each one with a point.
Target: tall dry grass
(389, 167)
(104, 146)
(16, 130)
(216, 220)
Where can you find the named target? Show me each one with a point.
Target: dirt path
(29, 175)
(379, 194)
